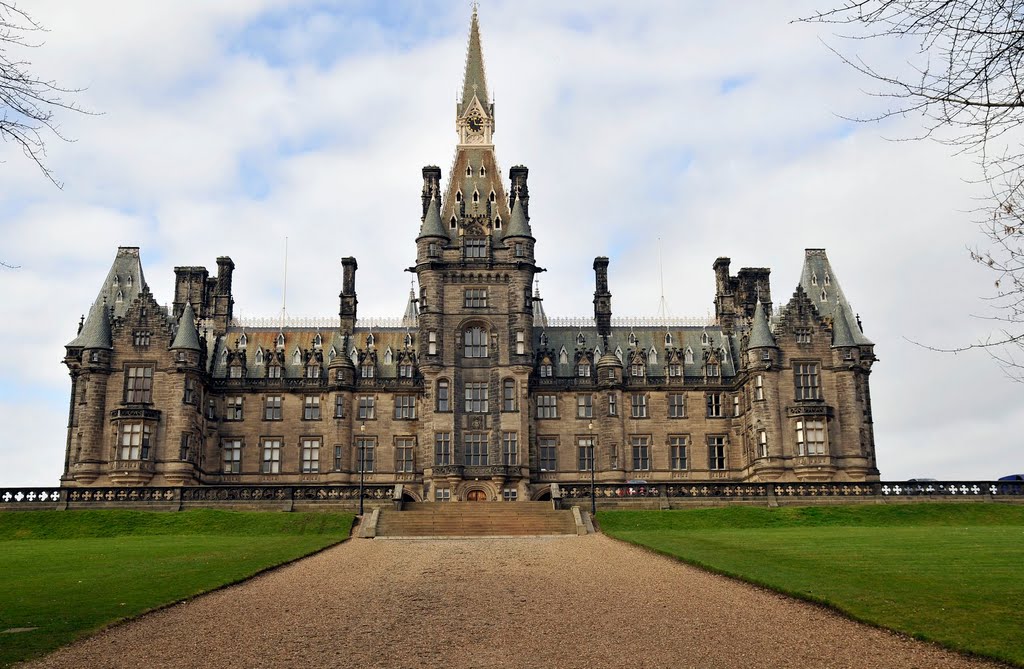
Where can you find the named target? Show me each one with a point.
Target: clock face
(475, 123)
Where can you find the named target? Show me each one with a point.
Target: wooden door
(476, 496)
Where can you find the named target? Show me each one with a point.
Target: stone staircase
(475, 519)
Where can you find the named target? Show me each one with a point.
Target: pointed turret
(842, 333)
(540, 319)
(124, 281)
(819, 282)
(474, 83)
(187, 337)
(760, 333)
(432, 225)
(518, 226)
(95, 333)
(412, 312)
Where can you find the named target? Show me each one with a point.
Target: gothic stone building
(474, 394)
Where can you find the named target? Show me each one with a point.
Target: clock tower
(475, 268)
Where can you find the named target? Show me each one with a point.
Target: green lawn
(70, 573)
(950, 573)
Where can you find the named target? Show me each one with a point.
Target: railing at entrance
(881, 489)
(178, 497)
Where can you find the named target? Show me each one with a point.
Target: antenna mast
(284, 290)
(662, 303)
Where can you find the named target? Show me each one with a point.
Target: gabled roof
(820, 284)
(96, 330)
(187, 337)
(760, 333)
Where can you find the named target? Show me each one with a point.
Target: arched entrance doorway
(476, 496)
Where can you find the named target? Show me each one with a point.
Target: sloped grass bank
(949, 573)
(70, 573)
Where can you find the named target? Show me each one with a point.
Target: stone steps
(475, 519)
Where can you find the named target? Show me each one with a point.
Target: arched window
(668, 339)
(243, 341)
(475, 340)
(259, 356)
(458, 196)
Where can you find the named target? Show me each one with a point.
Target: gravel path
(558, 602)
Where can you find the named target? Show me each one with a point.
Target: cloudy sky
(705, 129)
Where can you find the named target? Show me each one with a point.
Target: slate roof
(518, 226)
(820, 283)
(432, 225)
(96, 329)
(187, 336)
(760, 333)
(647, 338)
(124, 281)
(473, 158)
(301, 339)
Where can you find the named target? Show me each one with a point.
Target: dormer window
(280, 340)
(117, 282)
(675, 370)
(483, 172)
(828, 280)
(243, 341)
(668, 339)
(366, 371)
(408, 340)
(711, 369)
(318, 341)
(491, 197)
(688, 356)
(458, 196)
(453, 223)
(369, 340)
(545, 370)
(475, 248)
(129, 280)
(824, 295)
(332, 354)
(388, 358)
(814, 279)
(120, 297)
(618, 353)
(563, 357)
(652, 357)
(469, 171)
(259, 356)
(296, 357)
(543, 339)
(235, 371)
(583, 369)
(497, 222)
(580, 339)
(476, 197)
(312, 371)
(636, 370)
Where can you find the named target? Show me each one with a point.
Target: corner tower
(475, 268)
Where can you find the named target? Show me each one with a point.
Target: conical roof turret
(187, 337)
(842, 333)
(432, 225)
(760, 333)
(96, 330)
(518, 226)
(412, 312)
(540, 319)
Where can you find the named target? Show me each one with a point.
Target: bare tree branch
(28, 103)
(969, 89)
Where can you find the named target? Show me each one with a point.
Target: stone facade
(474, 393)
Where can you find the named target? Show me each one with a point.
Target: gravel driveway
(556, 602)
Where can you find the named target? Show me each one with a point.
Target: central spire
(474, 83)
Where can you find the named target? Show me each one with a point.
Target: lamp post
(362, 465)
(593, 466)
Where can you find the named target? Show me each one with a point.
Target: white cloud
(228, 126)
